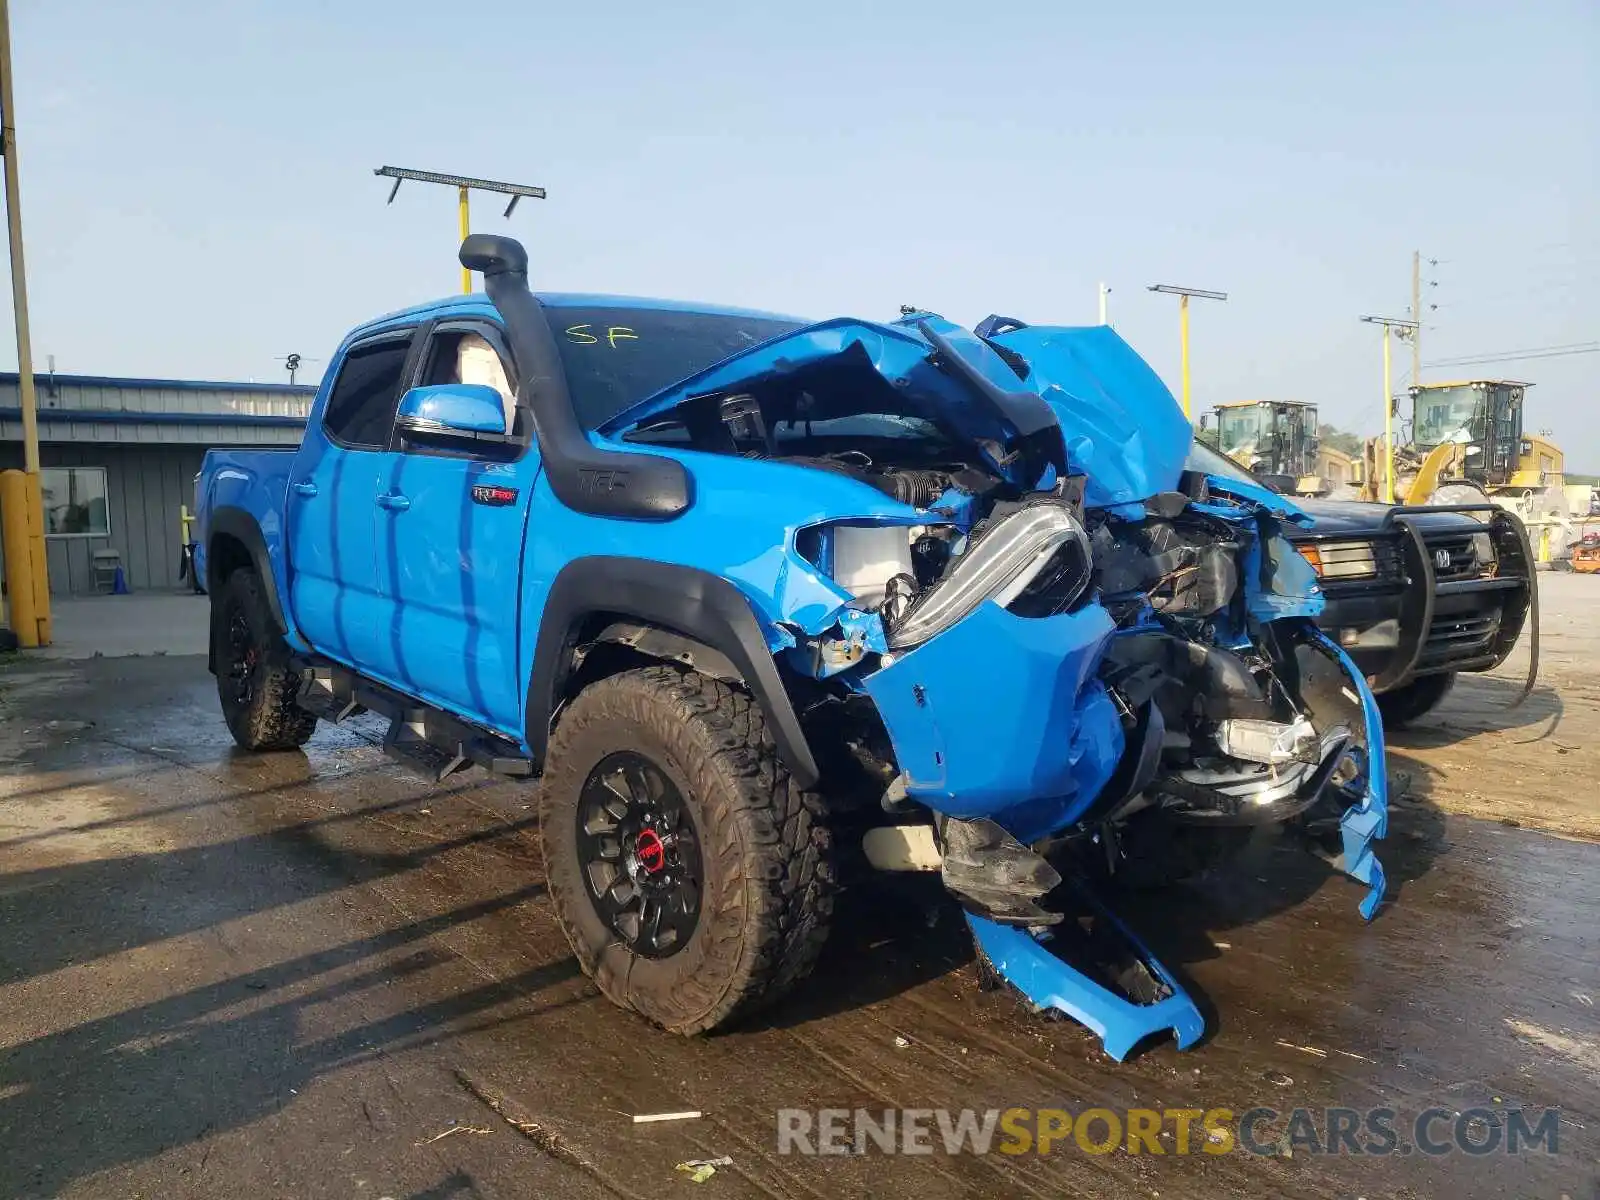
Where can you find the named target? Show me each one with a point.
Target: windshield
(861, 425)
(616, 357)
(1442, 413)
(1204, 459)
(1239, 428)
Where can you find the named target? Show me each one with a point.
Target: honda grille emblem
(1441, 559)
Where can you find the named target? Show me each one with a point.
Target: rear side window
(361, 406)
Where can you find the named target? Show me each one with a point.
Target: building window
(75, 502)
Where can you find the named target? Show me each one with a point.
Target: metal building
(118, 460)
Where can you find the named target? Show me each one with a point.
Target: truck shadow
(68, 914)
(1483, 704)
(126, 1087)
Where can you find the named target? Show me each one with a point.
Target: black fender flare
(684, 600)
(229, 521)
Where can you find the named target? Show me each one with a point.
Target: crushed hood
(1124, 430)
(939, 372)
(1032, 398)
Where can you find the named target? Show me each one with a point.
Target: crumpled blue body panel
(1031, 753)
(1264, 498)
(1367, 820)
(1028, 964)
(1124, 430)
(1294, 590)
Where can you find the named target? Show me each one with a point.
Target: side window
(464, 356)
(361, 406)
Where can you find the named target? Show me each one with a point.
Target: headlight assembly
(1341, 560)
(1034, 561)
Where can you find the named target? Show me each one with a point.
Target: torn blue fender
(1031, 753)
(1048, 981)
(1368, 820)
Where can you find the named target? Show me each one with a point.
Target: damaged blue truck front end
(1072, 649)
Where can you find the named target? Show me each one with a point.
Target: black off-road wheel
(1415, 700)
(692, 877)
(255, 683)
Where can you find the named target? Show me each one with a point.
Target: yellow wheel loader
(1468, 446)
(1276, 441)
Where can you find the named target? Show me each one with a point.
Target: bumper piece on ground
(1130, 997)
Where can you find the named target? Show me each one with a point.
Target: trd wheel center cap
(650, 850)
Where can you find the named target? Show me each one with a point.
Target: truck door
(333, 488)
(448, 531)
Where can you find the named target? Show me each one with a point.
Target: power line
(1551, 288)
(1519, 355)
(1535, 349)
(1367, 410)
(1579, 248)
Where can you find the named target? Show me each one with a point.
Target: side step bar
(422, 737)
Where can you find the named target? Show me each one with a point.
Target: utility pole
(1183, 294)
(1397, 327)
(1416, 315)
(464, 184)
(27, 572)
(1105, 294)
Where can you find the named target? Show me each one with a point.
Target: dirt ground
(317, 975)
(1538, 764)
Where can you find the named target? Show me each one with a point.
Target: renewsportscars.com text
(1260, 1130)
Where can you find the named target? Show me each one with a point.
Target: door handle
(394, 502)
(305, 488)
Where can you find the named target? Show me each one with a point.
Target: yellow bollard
(27, 575)
(42, 615)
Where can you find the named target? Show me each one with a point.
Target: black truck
(1416, 595)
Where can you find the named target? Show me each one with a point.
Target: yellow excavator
(1467, 446)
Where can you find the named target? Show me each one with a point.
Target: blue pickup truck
(755, 598)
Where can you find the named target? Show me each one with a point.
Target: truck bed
(255, 481)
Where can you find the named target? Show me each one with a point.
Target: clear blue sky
(199, 198)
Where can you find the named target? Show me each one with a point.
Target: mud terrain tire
(762, 851)
(1416, 699)
(255, 683)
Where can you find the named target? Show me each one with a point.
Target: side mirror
(453, 414)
